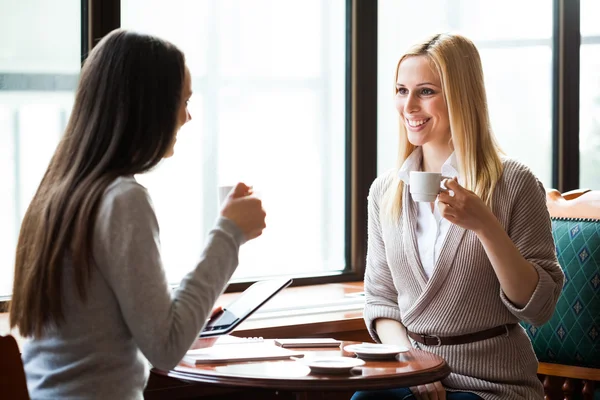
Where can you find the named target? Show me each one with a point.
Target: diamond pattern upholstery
(572, 336)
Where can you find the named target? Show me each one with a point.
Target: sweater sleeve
(530, 229)
(381, 296)
(127, 253)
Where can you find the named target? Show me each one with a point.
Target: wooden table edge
(428, 375)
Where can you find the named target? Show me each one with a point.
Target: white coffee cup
(425, 186)
(224, 192)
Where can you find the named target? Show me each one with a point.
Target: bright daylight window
(517, 64)
(39, 65)
(268, 109)
(589, 124)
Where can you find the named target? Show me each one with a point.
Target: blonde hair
(456, 60)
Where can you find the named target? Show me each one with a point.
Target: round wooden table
(411, 368)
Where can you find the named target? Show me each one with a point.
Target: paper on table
(238, 353)
(230, 339)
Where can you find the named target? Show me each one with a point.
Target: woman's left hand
(464, 208)
(202, 343)
(429, 391)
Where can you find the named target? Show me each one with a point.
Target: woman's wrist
(490, 228)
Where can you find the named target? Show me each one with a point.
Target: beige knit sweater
(463, 295)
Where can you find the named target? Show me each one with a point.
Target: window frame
(565, 94)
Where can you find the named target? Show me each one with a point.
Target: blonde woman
(462, 271)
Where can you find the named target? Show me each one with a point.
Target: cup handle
(443, 179)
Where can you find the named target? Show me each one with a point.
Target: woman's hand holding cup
(245, 210)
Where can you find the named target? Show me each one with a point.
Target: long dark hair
(122, 123)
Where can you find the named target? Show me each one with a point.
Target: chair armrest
(579, 203)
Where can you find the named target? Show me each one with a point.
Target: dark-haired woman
(90, 290)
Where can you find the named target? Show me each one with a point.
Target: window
(589, 129)
(39, 65)
(268, 109)
(281, 102)
(517, 65)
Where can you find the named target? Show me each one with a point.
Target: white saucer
(375, 351)
(331, 365)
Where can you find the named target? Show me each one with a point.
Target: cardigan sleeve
(381, 296)
(530, 228)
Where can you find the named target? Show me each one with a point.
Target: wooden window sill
(314, 322)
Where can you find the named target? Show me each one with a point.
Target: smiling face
(421, 104)
(183, 115)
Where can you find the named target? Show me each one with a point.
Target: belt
(434, 340)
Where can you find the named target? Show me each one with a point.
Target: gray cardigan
(463, 295)
(130, 317)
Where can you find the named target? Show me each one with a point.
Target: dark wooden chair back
(12, 376)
